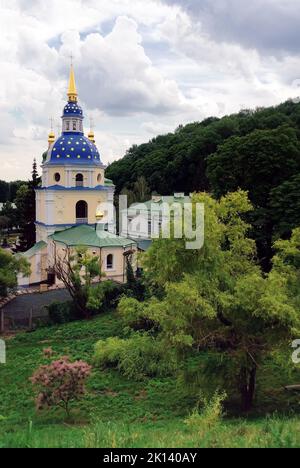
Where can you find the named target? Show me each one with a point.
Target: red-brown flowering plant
(60, 383)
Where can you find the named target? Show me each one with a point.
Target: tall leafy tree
(218, 299)
(35, 180)
(25, 202)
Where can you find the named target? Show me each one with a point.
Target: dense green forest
(22, 216)
(257, 151)
(8, 190)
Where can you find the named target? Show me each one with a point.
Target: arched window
(57, 177)
(79, 180)
(82, 212)
(68, 125)
(99, 178)
(109, 262)
(74, 125)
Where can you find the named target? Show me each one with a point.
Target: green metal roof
(36, 248)
(87, 236)
(108, 182)
(144, 244)
(152, 205)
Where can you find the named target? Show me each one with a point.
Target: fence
(25, 312)
(28, 321)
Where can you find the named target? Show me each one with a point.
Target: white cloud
(124, 80)
(142, 68)
(156, 128)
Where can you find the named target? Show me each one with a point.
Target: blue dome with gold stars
(72, 109)
(73, 148)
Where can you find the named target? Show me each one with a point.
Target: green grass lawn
(115, 412)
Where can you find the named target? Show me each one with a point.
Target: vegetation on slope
(120, 412)
(258, 151)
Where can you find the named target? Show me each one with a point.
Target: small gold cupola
(51, 137)
(72, 90)
(91, 134)
(51, 134)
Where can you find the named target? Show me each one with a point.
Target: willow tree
(217, 298)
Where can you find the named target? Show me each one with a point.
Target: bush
(60, 383)
(138, 357)
(105, 296)
(139, 315)
(211, 413)
(61, 312)
(135, 287)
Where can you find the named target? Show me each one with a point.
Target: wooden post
(2, 321)
(30, 319)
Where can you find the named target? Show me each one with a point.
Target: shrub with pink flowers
(60, 383)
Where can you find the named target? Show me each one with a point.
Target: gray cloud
(142, 67)
(271, 26)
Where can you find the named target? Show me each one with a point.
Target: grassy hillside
(116, 412)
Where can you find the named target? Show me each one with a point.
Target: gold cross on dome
(51, 120)
(92, 123)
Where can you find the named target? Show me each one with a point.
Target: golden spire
(72, 91)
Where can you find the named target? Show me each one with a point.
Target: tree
(13, 188)
(218, 299)
(4, 191)
(60, 383)
(286, 263)
(8, 190)
(25, 202)
(140, 192)
(285, 207)
(258, 162)
(10, 267)
(77, 270)
(10, 213)
(4, 223)
(26, 218)
(35, 179)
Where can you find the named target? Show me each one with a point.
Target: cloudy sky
(142, 67)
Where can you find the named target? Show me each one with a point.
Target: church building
(71, 204)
